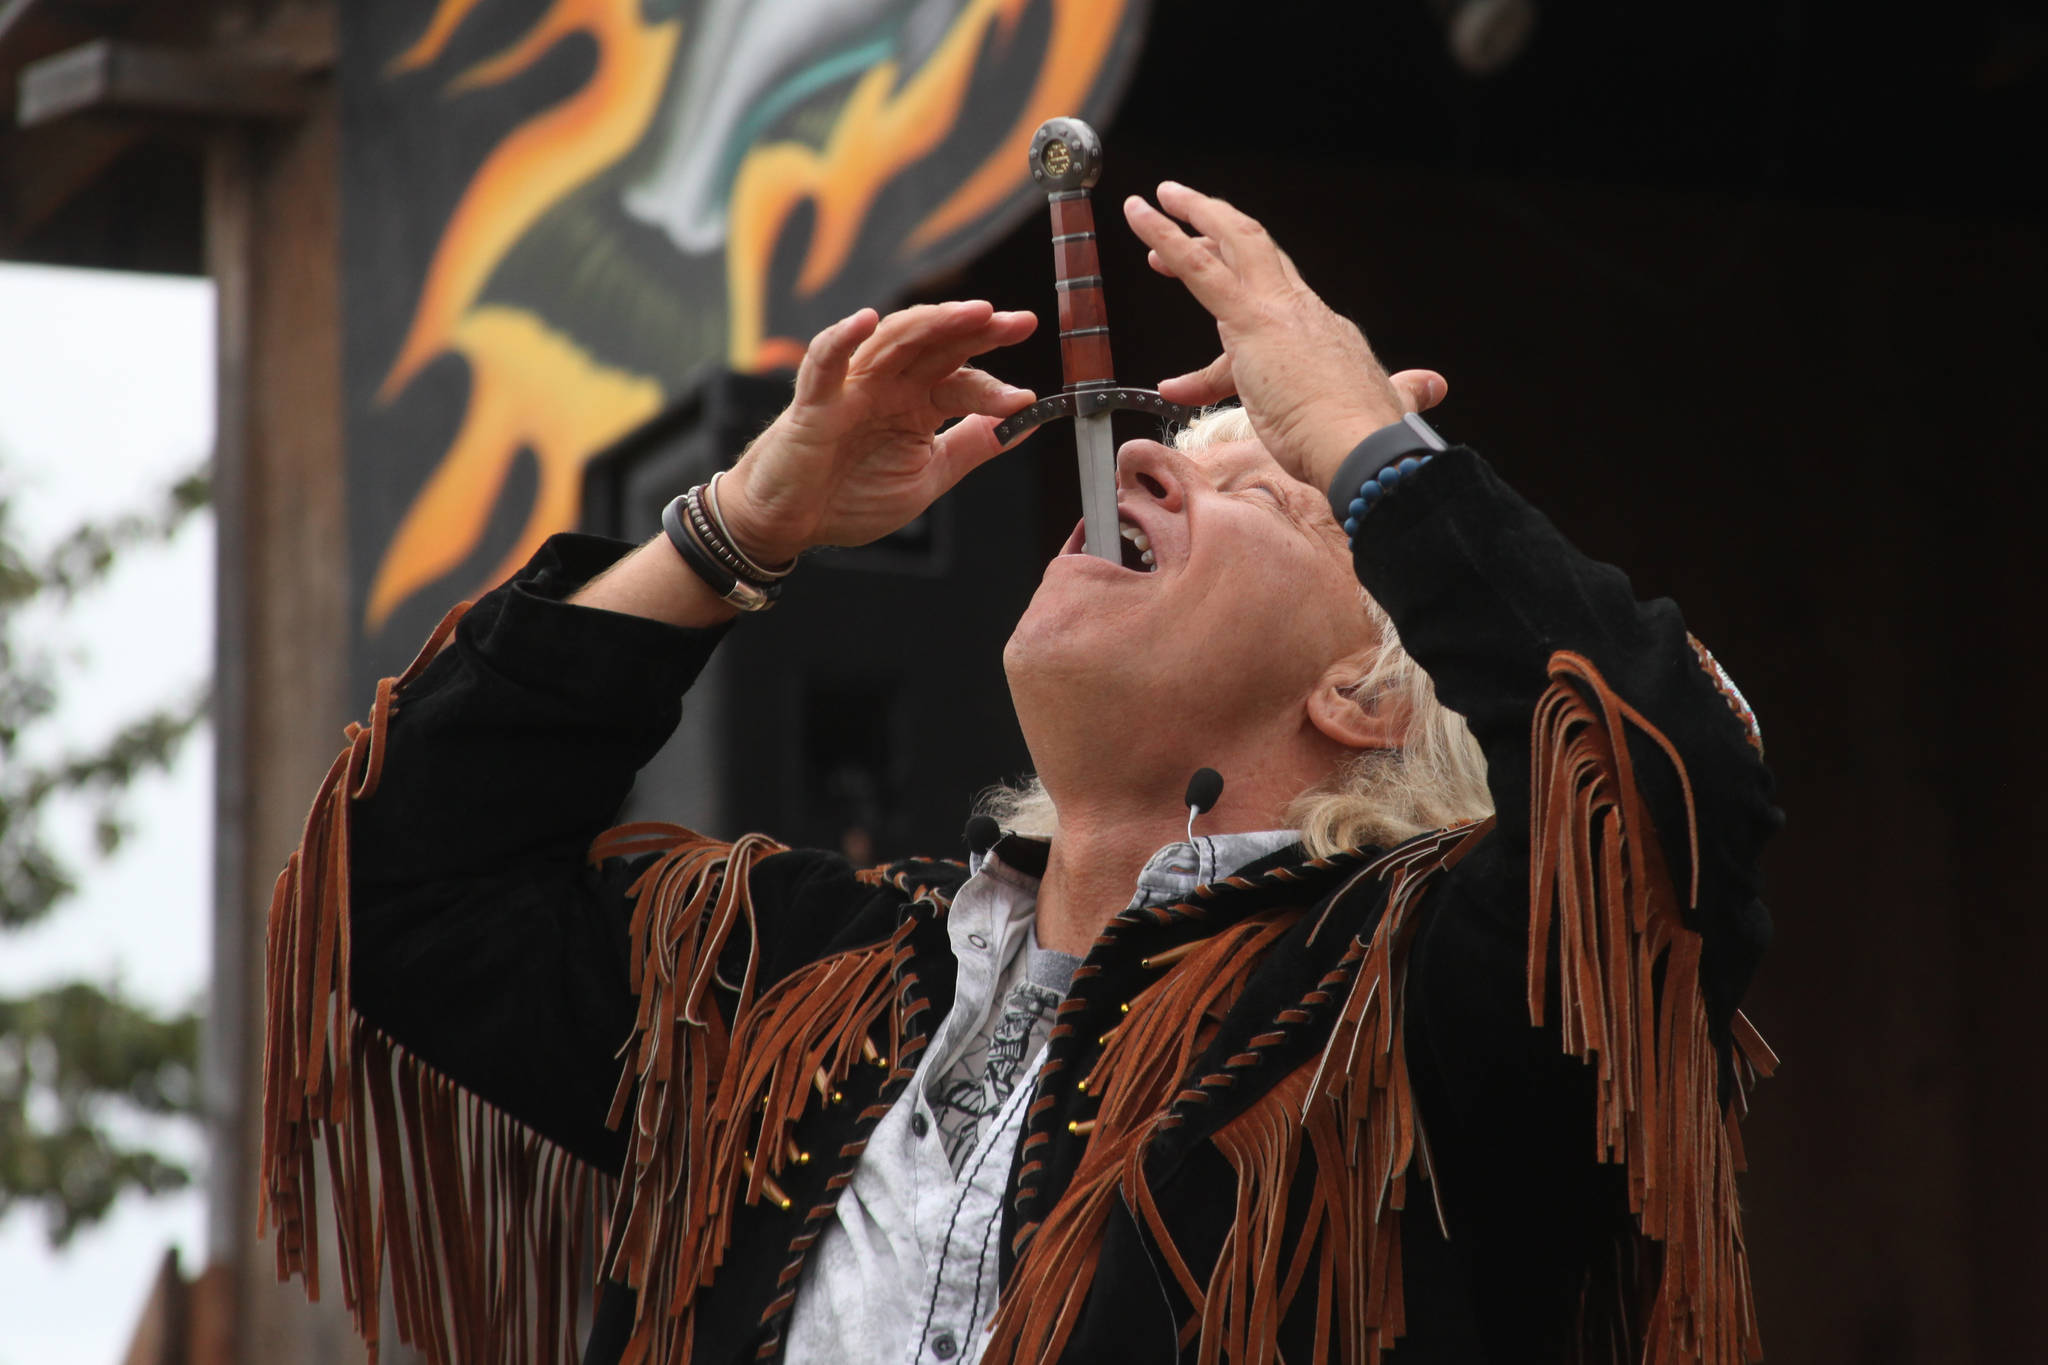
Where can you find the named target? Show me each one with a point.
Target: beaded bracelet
(1394, 452)
(1375, 488)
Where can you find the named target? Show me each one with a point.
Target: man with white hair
(1428, 1044)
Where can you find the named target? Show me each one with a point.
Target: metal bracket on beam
(106, 76)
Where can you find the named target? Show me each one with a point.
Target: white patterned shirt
(905, 1273)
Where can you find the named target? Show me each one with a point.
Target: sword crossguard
(1083, 402)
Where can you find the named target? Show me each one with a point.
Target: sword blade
(1097, 449)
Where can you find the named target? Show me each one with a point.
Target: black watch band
(1389, 445)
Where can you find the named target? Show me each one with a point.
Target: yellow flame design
(1082, 35)
(882, 130)
(440, 28)
(534, 388)
(540, 161)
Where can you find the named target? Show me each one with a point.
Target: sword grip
(1077, 275)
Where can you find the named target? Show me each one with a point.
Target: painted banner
(559, 213)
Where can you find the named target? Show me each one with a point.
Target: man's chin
(1065, 631)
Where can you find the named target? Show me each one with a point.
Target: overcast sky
(106, 395)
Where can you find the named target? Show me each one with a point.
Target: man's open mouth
(1133, 544)
(1136, 547)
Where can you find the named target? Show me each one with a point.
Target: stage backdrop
(559, 214)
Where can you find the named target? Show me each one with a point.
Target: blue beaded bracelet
(1396, 451)
(1375, 488)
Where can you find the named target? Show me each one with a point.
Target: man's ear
(1353, 718)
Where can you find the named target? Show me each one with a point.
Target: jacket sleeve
(1486, 593)
(1620, 772)
(484, 941)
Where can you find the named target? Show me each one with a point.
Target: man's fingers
(947, 353)
(971, 442)
(825, 360)
(1241, 239)
(969, 391)
(1420, 390)
(1198, 388)
(961, 449)
(1152, 258)
(1200, 268)
(909, 332)
(1287, 265)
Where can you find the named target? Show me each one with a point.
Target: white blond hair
(1381, 796)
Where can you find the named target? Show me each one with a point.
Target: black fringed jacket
(462, 974)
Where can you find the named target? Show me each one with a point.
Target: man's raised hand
(855, 455)
(1307, 377)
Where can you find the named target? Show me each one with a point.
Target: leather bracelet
(759, 572)
(701, 530)
(676, 521)
(1384, 449)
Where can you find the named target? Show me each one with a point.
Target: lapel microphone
(983, 833)
(1204, 788)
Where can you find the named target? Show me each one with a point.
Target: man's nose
(1151, 470)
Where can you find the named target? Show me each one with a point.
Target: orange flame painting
(604, 198)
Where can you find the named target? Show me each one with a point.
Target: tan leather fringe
(1598, 875)
(714, 1111)
(1140, 1070)
(486, 1224)
(1356, 1116)
(1361, 1118)
(489, 1228)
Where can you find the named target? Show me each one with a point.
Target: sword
(1066, 158)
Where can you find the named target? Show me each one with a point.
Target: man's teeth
(1139, 539)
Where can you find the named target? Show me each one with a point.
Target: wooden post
(272, 226)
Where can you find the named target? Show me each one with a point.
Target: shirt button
(921, 1125)
(977, 940)
(944, 1347)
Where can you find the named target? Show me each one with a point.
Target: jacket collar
(1171, 874)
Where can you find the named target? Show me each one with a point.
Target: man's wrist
(1409, 438)
(1337, 437)
(745, 526)
(655, 583)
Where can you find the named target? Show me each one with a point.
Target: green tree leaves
(83, 1069)
(68, 1056)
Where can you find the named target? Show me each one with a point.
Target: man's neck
(1092, 868)
(1090, 871)
(1114, 816)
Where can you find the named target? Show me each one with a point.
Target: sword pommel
(1066, 155)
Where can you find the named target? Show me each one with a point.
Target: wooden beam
(33, 29)
(47, 166)
(281, 661)
(233, 1019)
(110, 76)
